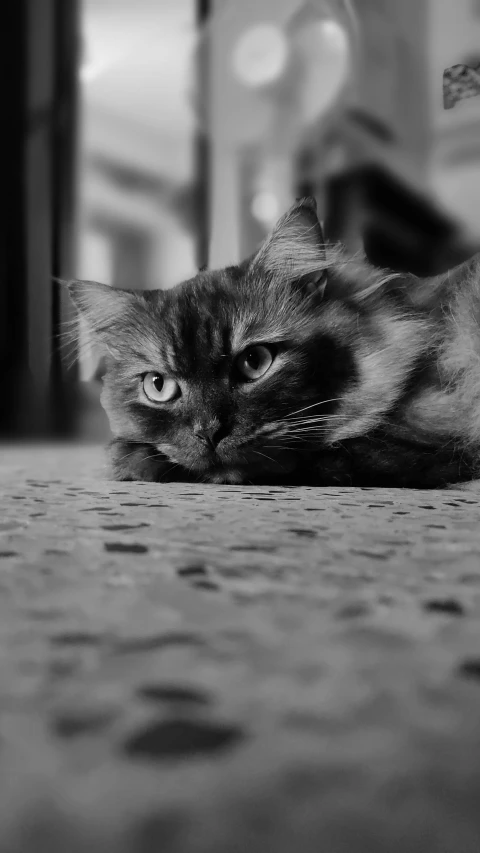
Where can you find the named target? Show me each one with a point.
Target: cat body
(302, 365)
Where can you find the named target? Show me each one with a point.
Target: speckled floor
(220, 669)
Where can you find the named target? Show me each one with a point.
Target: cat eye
(159, 389)
(254, 362)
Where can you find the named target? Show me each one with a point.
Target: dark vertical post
(38, 108)
(202, 142)
(38, 225)
(13, 278)
(64, 363)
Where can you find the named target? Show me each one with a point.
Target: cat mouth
(238, 466)
(232, 478)
(250, 463)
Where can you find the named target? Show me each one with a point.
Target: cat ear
(111, 315)
(97, 302)
(295, 250)
(100, 305)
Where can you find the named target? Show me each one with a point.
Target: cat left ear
(101, 305)
(112, 316)
(295, 250)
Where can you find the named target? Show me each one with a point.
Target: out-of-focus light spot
(260, 55)
(335, 34)
(265, 207)
(326, 50)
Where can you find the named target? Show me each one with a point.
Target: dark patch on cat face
(177, 739)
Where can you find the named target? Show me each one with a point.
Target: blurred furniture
(372, 147)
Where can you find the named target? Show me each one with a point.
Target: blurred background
(146, 139)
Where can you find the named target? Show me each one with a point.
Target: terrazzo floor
(220, 669)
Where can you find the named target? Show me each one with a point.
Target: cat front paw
(129, 460)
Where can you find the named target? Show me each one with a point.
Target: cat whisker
(312, 422)
(319, 403)
(289, 437)
(165, 473)
(278, 447)
(321, 424)
(152, 456)
(309, 434)
(306, 421)
(257, 452)
(317, 419)
(296, 427)
(195, 475)
(129, 453)
(139, 441)
(122, 458)
(146, 458)
(305, 429)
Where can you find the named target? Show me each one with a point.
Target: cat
(300, 366)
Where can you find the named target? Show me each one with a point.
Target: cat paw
(129, 460)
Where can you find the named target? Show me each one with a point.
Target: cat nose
(210, 435)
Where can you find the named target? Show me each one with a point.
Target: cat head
(253, 367)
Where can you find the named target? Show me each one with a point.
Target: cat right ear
(295, 250)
